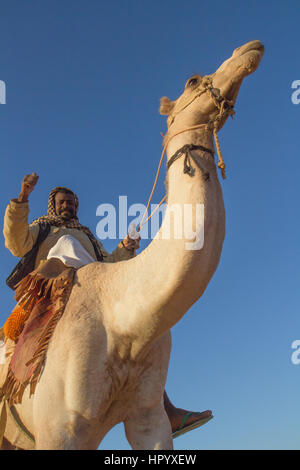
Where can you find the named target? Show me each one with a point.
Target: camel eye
(192, 82)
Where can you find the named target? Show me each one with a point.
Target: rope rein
(225, 108)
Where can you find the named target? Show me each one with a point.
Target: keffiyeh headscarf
(51, 216)
(53, 219)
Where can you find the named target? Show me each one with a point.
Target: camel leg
(6, 445)
(74, 432)
(58, 439)
(149, 429)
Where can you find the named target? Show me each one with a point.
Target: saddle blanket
(46, 297)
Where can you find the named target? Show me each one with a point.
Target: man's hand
(28, 184)
(131, 244)
(132, 241)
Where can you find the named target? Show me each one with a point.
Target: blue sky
(83, 83)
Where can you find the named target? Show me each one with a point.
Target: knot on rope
(186, 151)
(221, 163)
(188, 169)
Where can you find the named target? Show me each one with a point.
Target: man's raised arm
(19, 237)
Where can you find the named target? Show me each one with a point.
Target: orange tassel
(14, 324)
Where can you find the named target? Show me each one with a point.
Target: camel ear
(166, 106)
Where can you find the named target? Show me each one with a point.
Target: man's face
(65, 205)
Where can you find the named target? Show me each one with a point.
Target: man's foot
(183, 421)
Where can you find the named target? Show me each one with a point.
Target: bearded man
(74, 244)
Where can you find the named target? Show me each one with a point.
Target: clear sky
(83, 83)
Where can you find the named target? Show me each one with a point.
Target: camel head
(202, 97)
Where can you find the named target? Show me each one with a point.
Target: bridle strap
(173, 158)
(224, 105)
(225, 108)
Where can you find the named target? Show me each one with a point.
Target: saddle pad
(31, 348)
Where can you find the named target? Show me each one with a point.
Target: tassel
(15, 323)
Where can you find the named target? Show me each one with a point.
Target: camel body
(108, 358)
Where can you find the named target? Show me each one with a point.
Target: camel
(108, 358)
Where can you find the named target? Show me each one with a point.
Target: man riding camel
(66, 239)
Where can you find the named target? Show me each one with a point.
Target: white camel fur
(107, 361)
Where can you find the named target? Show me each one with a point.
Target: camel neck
(175, 268)
(199, 137)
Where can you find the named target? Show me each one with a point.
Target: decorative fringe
(29, 292)
(12, 390)
(32, 290)
(40, 353)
